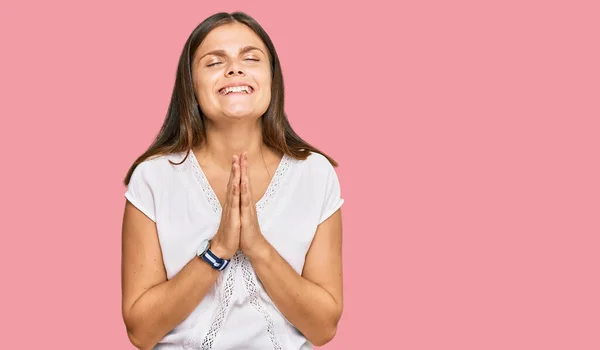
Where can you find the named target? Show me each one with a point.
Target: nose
(234, 69)
(233, 72)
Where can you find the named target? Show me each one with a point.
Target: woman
(232, 224)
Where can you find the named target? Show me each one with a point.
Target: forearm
(163, 307)
(309, 307)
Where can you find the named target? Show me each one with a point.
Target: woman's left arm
(313, 301)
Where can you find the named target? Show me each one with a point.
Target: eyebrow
(223, 54)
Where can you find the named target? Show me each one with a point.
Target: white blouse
(236, 313)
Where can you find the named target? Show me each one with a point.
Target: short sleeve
(140, 193)
(332, 199)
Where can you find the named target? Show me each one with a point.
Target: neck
(223, 142)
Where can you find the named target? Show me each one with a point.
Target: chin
(241, 114)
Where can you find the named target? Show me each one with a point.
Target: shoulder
(161, 164)
(322, 183)
(159, 167)
(318, 171)
(150, 180)
(318, 165)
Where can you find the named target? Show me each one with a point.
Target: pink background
(467, 132)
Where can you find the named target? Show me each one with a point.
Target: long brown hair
(184, 129)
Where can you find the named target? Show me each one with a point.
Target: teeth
(244, 88)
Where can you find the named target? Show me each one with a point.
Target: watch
(214, 261)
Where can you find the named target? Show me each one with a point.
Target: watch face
(202, 247)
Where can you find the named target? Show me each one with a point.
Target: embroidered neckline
(252, 290)
(209, 193)
(225, 291)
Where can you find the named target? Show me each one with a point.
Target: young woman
(232, 230)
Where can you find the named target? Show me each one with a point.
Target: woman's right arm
(152, 306)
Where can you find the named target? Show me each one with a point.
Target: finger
(246, 172)
(235, 197)
(231, 174)
(249, 189)
(244, 166)
(231, 188)
(245, 196)
(246, 181)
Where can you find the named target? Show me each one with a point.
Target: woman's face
(232, 74)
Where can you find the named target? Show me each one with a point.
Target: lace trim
(204, 184)
(252, 290)
(239, 258)
(224, 301)
(250, 280)
(208, 191)
(282, 169)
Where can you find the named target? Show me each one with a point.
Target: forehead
(230, 38)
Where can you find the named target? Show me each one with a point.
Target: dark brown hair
(183, 128)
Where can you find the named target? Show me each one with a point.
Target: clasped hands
(239, 228)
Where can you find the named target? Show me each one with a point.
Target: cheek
(265, 84)
(204, 92)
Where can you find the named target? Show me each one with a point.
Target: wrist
(260, 251)
(218, 249)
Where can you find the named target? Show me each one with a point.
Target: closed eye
(247, 59)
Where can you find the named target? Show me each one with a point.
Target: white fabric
(237, 313)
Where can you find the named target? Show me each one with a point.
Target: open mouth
(240, 89)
